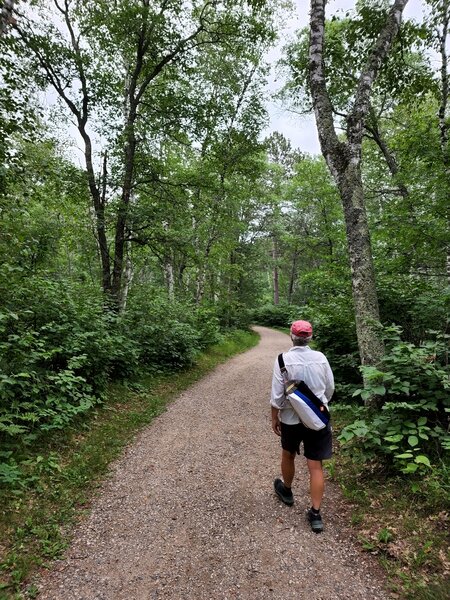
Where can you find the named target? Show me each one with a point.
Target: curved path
(189, 512)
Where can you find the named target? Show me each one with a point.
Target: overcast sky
(301, 130)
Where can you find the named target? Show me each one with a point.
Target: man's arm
(277, 397)
(329, 381)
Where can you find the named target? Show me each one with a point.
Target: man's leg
(283, 488)
(318, 446)
(289, 443)
(316, 482)
(316, 487)
(288, 467)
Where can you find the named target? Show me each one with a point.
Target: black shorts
(317, 445)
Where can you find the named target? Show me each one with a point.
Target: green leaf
(346, 436)
(423, 460)
(360, 431)
(380, 390)
(413, 440)
(410, 468)
(422, 421)
(404, 455)
(394, 438)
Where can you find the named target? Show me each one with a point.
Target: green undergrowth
(64, 472)
(402, 519)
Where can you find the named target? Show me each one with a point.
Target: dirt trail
(189, 512)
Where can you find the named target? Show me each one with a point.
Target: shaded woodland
(143, 215)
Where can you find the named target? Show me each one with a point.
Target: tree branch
(377, 55)
(323, 108)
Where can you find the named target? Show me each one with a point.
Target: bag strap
(281, 363)
(282, 366)
(284, 373)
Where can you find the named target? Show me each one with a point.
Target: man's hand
(276, 425)
(275, 421)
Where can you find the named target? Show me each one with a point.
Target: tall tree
(120, 69)
(441, 20)
(282, 158)
(344, 160)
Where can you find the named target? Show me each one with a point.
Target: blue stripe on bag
(312, 406)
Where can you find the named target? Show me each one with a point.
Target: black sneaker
(315, 520)
(283, 493)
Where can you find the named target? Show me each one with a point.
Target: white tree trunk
(443, 108)
(200, 286)
(128, 275)
(170, 279)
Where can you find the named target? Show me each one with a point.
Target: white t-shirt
(307, 365)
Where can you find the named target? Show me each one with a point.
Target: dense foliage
(131, 263)
(182, 222)
(411, 431)
(143, 217)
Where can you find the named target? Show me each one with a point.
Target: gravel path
(189, 512)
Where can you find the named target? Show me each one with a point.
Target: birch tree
(441, 21)
(343, 157)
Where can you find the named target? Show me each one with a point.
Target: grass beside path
(36, 520)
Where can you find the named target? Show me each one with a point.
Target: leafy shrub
(414, 305)
(56, 357)
(207, 324)
(33, 395)
(60, 347)
(280, 315)
(169, 334)
(165, 345)
(410, 432)
(233, 315)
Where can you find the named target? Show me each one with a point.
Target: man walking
(313, 368)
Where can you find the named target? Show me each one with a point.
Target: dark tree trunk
(98, 200)
(293, 276)
(276, 289)
(122, 214)
(7, 16)
(374, 130)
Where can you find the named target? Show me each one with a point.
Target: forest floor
(188, 511)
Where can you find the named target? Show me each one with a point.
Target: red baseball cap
(301, 328)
